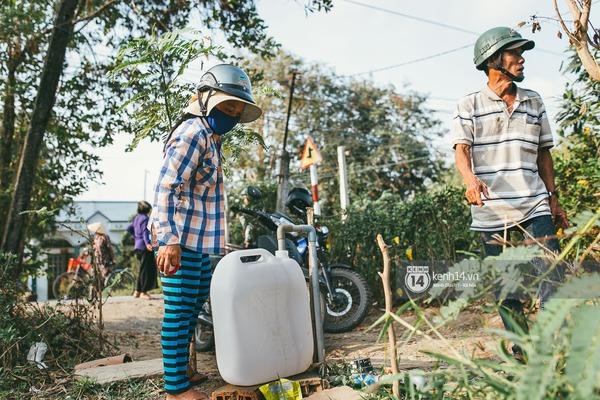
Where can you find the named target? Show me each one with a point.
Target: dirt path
(135, 325)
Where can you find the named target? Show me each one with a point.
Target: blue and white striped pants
(184, 294)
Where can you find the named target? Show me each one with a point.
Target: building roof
(113, 211)
(115, 215)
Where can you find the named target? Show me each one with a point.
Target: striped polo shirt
(188, 204)
(504, 152)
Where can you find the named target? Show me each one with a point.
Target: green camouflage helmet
(495, 39)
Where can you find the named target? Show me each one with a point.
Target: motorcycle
(344, 293)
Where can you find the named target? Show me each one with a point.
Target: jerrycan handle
(253, 256)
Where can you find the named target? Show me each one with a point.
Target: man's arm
(546, 171)
(462, 157)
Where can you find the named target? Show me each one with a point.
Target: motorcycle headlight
(328, 242)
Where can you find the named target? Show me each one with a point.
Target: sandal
(197, 378)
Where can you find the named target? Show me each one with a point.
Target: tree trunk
(42, 109)
(8, 136)
(589, 62)
(8, 129)
(580, 11)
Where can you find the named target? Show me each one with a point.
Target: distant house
(67, 241)
(115, 215)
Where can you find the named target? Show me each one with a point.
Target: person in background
(188, 215)
(104, 252)
(138, 228)
(502, 141)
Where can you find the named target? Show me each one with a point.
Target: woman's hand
(169, 259)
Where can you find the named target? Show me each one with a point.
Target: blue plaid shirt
(188, 204)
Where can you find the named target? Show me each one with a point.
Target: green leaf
(583, 365)
(451, 311)
(541, 373)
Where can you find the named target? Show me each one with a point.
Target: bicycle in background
(79, 279)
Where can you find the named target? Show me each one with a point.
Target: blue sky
(424, 45)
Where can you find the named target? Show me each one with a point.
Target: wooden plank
(120, 359)
(120, 372)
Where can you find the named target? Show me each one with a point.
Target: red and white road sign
(310, 155)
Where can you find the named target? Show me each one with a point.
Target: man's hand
(475, 188)
(559, 216)
(169, 259)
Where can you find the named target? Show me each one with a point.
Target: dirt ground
(135, 324)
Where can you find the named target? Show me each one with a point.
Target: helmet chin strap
(498, 67)
(204, 105)
(505, 72)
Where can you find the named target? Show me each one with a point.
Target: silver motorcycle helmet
(221, 83)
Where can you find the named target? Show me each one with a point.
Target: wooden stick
(193, 358)
(387, 290)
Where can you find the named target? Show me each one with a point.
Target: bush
(433, 226)
(577, 169)
(561, 345)
(69, 331)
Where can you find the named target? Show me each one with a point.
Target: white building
(72, 235)
(114, 215)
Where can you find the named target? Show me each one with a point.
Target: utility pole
(145, 176)
(284, 161)
(344, 200)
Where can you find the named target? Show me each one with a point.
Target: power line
(388, 11)
(357, 168)
(413, 61)
(427, 21)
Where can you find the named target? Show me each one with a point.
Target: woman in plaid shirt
(188, 217)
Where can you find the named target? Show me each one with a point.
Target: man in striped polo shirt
(502, 141)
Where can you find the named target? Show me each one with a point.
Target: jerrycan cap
(281, 254)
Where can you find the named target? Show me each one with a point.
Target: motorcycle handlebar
(246, 211)
(262, 217)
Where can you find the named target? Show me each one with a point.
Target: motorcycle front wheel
(205, 338)
(350, 303)
(204, 334)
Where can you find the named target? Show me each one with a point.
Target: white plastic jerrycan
(261, 315)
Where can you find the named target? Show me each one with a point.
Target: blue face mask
(220, 122)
